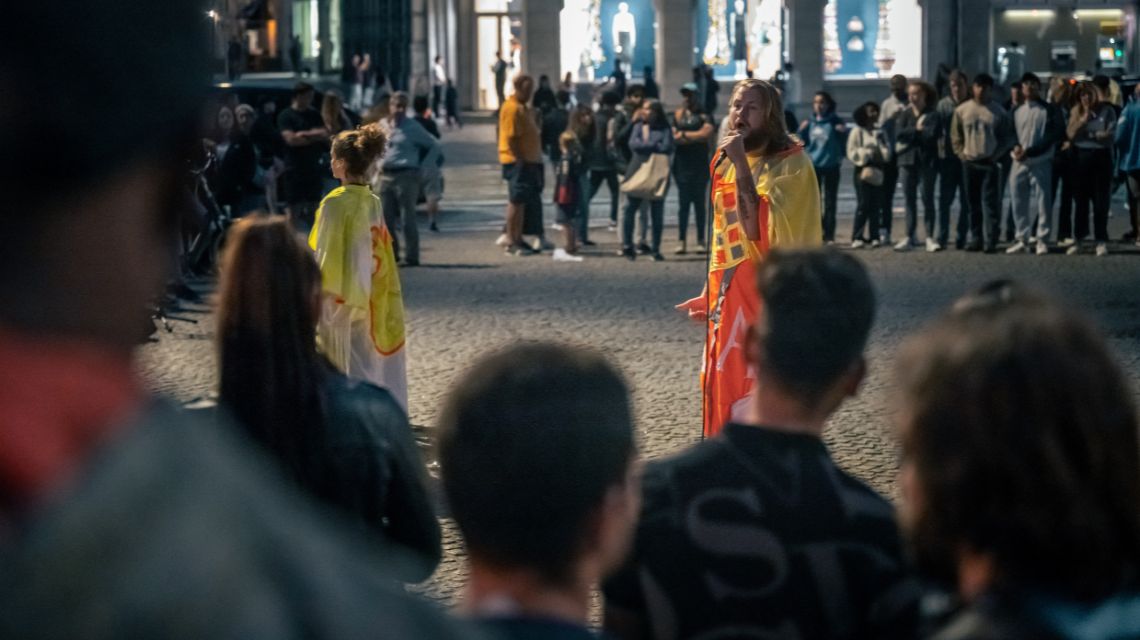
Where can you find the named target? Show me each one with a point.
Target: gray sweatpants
(1031, 193)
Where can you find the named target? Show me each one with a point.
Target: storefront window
(735, 36)
(306, 26)
(502, 34)
(1062, 41)
(872, 39)
(599, 34)
(335, 58)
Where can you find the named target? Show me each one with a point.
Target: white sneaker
(560, 255)
(1018, 247)
(1073, 249)
(541, 243)
(1065, 243)
(932, 245)
(1042, 248)
(503, 240)
(556, 226)
(1101, 249)
(902, 245)
(857, 244)
(875, 244)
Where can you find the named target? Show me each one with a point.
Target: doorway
(497, 32)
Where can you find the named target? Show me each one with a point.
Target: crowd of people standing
(1033, 173)
(970, 147)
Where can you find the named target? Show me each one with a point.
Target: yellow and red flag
(789, 216)
(361, 329)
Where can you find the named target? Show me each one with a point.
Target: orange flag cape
(789, 216)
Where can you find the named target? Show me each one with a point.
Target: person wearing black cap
(692, 130)
(306, 140)
(120, 516)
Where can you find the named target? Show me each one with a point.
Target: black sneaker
(657, 257)
(627, 253)
(433, 227)
(990, 248)
(974, 247)
(644, 249)
(410, 262)
(588, 243)
(521, 249)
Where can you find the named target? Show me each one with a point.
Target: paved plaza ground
(469, 298)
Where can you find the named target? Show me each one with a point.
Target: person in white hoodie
(869, 149)
(1039, 127)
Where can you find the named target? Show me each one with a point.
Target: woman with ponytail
(361, 328)
(348, 444)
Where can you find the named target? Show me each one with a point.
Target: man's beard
(755, 139)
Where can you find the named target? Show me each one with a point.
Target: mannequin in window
(625, 37)
(739, 37)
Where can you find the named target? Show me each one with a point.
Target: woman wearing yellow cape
(764, 195)
(361, 328)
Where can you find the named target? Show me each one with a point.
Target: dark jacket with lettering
(756, 533)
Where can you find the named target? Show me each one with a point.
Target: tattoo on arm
(747, 202)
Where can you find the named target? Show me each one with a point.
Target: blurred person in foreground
(757, 533)
(765, 194)
(539, 466)
(119, 515)
(1020, 473)
(361, 329)
(345, 441)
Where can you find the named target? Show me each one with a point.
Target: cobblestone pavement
(470, 298)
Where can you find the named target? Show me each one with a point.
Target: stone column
(542, 49)
(975, 26)
(419, 79)
(939, 35)
(675, 41)
(805, 47)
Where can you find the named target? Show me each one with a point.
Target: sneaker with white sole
(1042, 249)
(857, 243)
(902, 245)
(1065, 243)
(541, 243)
(1101, 249)
(1073, 249)
(875, 244)
(503, 240)
(1018, 247)
(560, 255)
(932, 245)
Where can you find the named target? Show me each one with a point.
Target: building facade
(847, 47)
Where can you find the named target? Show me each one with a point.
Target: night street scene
(597, 319)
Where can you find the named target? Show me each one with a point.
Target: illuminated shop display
(872, 38)
(737, 35)
(599, 34)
